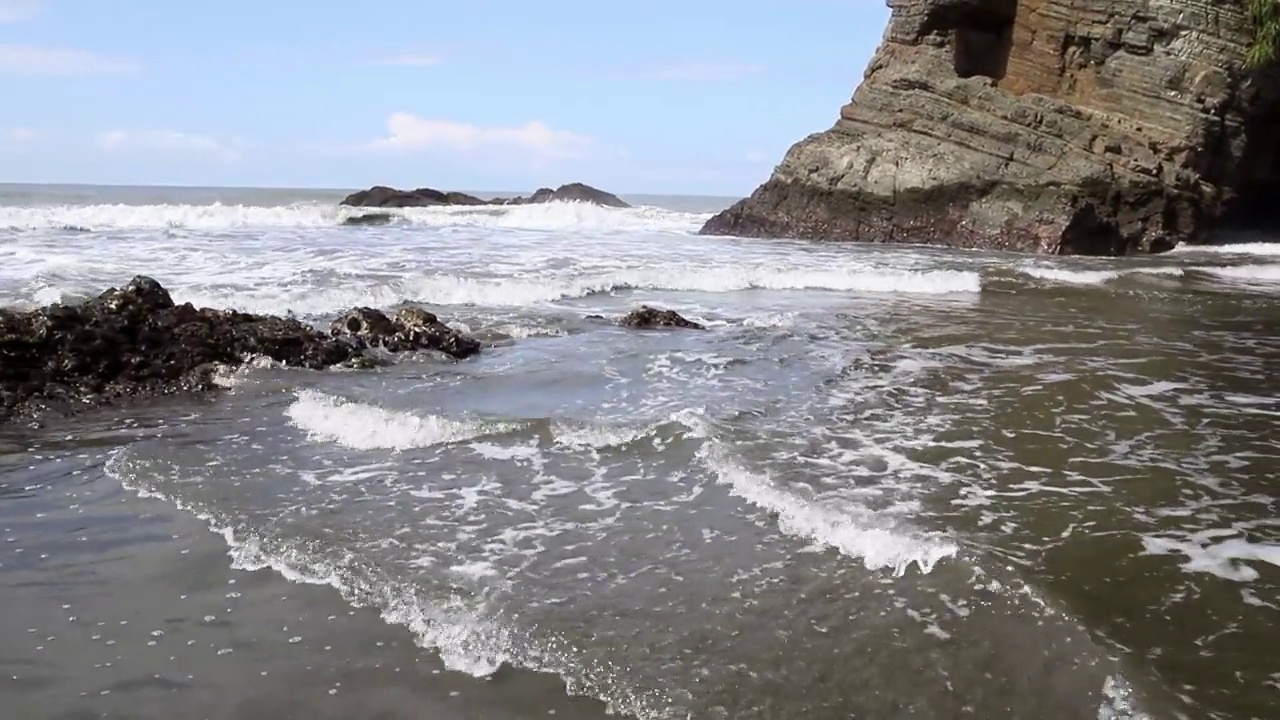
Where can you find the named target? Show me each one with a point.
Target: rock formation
(386, 197)
(573, 192)
(646, 317)
(1053, 126)
(383, 196)
(410, 329)
(135, 342)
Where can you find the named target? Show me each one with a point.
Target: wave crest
(216, 216)
(359, 426)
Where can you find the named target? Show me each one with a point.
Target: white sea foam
(1077, 277)
(856, 533)
(771, 320)
(466, 640)
(1265, 273)
(1247, 248)
(549, 216)
(1118, 701)
(598, 435)
(441, 288)
(466, 636)
(228, 376)
(359, 426)
(1226, 558)
(686, 278)
(1092, 277)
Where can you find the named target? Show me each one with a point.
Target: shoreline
(126, 606)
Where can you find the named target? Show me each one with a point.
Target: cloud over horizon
(12, 11)
(155, 93)
(535, 138)
(18, 59)
(169, 141)
(410, 60)
(20, 134)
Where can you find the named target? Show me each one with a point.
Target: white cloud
(12, 11)
(39, 60)
(20, 134)
(410, 60)
(409, 132)
(702, 71)
(169, 142)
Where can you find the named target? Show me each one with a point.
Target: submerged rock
(1098, 127)
(135, 341)
(645, 317)
(383, 196)
(369, 219)
(573, 192)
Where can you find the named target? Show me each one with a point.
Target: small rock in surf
(645, 317)
(369, 219)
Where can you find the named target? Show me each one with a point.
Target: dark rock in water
(135, 342)
(410, 329)
(1098, 127)
(382, 196)
(651, 317)
(573, 192)
(369, 219)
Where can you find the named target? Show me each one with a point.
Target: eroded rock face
(1050, 126)
(135, 342)
(646, 317)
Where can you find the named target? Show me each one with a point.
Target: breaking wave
(1244, 248)
(321, 299)
(549, 216)
(359, 426)
(1093, 277)
(1247, 273)
(448, 289)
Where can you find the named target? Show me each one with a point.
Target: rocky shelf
(1099, 127)
(136, 342)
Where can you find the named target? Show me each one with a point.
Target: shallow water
(888, 482)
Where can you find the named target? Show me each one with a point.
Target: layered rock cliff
(1050, 126)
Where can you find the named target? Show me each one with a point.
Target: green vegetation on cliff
(1265, 17)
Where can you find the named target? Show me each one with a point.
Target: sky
(692, 97)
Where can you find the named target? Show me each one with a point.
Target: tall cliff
(1053, 126)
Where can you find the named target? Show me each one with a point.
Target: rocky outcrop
(136, 342)
(573, 192)
(1050, 126)
(646, 317)
(410, 329)
(386, 197)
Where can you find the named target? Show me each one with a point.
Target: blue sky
(699, 97)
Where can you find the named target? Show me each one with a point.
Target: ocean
(888, 481)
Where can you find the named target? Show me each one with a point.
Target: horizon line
(320, 189)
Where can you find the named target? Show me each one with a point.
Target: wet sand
(123, 607)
